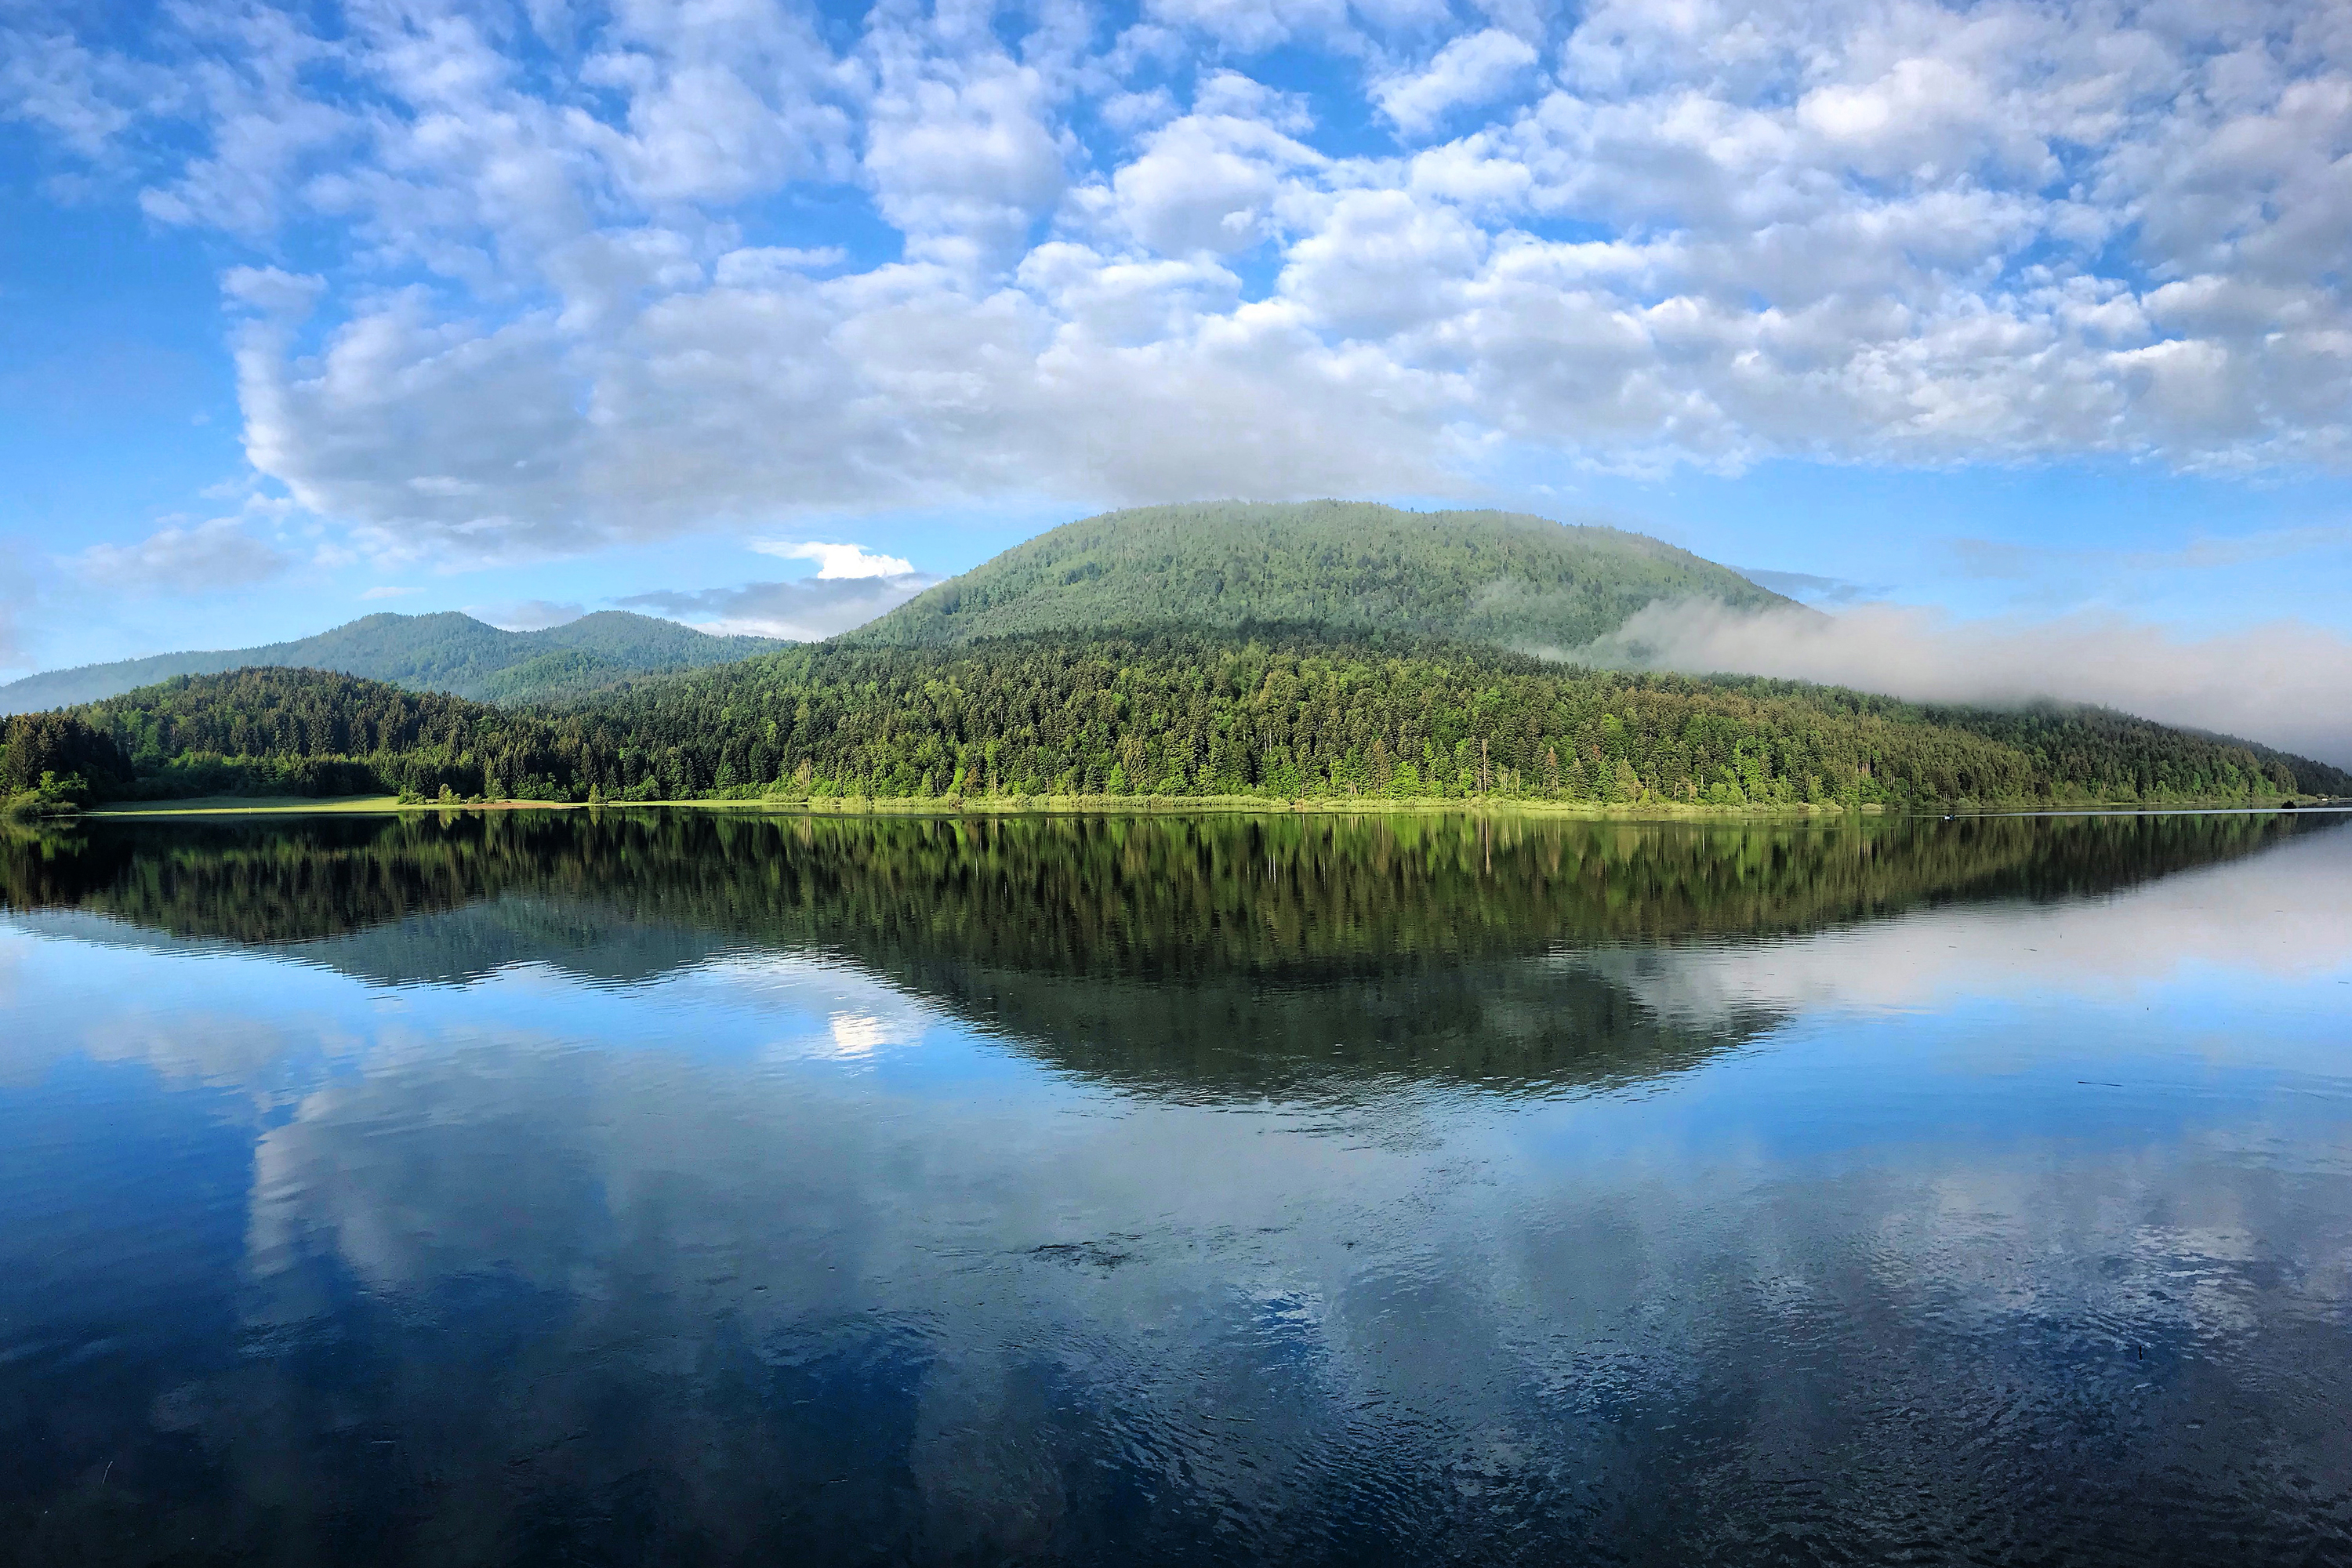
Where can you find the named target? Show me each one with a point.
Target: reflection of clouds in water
(845, 1012)
(859, 1034)
(1033, 1300)
(2280, 914)
(1217, 1295)
(66, 1006)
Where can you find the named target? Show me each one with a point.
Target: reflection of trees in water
(1142, 896)
(1220, 953)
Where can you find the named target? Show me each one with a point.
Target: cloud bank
(577, 276)
(201, 558)
(2287, 685)
(808, 610)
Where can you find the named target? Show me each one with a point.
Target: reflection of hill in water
(1227, 953)
(450, 947)
(1502, 1022)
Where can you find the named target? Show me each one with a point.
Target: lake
(696, 1188)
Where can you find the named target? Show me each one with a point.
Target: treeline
(1267, 715)
(52, 762)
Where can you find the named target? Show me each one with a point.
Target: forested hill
(1283, 715)
(445, 652)
(1500, 578)
(1353, 568)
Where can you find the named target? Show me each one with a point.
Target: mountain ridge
(1508, 580)
(445, 651)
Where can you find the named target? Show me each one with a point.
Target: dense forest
(1269, 714)
(1500, 578)
(1328, 651)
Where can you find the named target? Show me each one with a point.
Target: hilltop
(1504, 579)
(446, 652)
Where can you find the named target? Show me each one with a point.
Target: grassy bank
(1138, 805)
(251, 806)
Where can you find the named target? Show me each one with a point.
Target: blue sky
(2004, 324)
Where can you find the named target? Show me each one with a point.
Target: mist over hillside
(2288, 685)
(1512, 581)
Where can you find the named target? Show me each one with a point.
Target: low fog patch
(2286, 684)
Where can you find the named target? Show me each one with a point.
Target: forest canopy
(1506, 579)
(1266, 713)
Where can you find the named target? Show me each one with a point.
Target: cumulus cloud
(2287, 684)
(837, 561)
(809, 610)
(205, 558)
(1071, 261)
(1469, 70)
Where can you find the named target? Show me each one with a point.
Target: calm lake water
(684, 1188)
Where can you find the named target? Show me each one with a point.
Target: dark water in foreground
(677, 1189)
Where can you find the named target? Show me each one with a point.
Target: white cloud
(273, 293)
(49, 79)
(205, 558)
(2287, 685)
(960, 155)
(389, 591)
(763, 266)
(1208, 181)
(1251, 25)
(1880, 231)
(835, 561)
(810, 610)
(1470, 70)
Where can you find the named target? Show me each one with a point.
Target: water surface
(684, 1188)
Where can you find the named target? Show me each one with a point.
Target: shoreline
(1161, 805)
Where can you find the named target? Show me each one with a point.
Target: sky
(2016, 336)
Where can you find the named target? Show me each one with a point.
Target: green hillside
(1278, 716)
(1502, 578)
(445, 652)
(1498, 578)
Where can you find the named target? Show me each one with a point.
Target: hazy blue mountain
(445, 652)
(1501, 578)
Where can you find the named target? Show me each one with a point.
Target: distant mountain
(1495, 577)
(446, 652)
